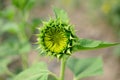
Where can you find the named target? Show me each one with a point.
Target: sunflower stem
(24, 58)
(62, 71)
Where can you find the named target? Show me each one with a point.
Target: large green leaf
(9, 48)
(30, 4)
(23, 4)
(12, 46)
(85, 67)
(8, 13)
(9, 27)
(88, 44)
(59, 13)
(38, 71)
(19, 4)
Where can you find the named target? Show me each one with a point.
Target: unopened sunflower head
(56, 38)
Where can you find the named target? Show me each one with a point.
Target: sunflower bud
(56, 38)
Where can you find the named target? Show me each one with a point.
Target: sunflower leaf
(83, 68)
(60, 13)
(88, 44)
(38, 71)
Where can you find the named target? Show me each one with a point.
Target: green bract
(56, 37)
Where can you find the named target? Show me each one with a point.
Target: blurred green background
(19, 20)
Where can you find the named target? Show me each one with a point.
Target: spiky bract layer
(56, 38)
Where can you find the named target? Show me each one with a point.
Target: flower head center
(55, 39)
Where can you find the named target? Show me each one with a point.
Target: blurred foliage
(70, 4)
(110, 11)
(4, 63)
(16, 29)
(2, 4)
(43, 3)
(23, 5)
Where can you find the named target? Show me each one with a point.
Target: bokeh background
(94, 19)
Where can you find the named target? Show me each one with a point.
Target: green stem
(62, 71)
(24, 59)
(23, 38)
(25, 16)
